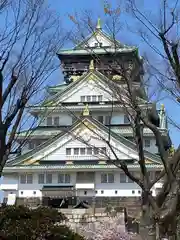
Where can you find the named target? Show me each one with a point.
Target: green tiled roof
(59, 87)
(119, 138)
(40, 131)
(71, 166)
(91, 51)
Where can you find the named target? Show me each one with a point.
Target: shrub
(23, 223)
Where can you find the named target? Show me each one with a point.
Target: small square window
(100, 119)
(82, 98)
(82, 151)
(147, 143)
(49, 121)
(103, 150)
(23, 179)
(133, 192)
(100, 97)
(122, 178)
(88, 98)
(41, 178)
(29, 178)
(85, 192)
(126, 119)
(76, 151)
(67, 178)
(102, 191)
(96, 151)
(48, 178)
(68, 151)
(32, 145)
(107, 120)
(21, 192)
(89, 151)
(139, 191)
(110, 178)
(96, 192)
(94, 97)
(34, 192)
(116, 192)
(56, 121)
(104, 178)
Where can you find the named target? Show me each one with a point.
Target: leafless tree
(30, 34)
(161, 211)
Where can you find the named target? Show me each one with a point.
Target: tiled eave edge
(76, 108)
(74, 167)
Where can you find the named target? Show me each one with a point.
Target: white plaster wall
(27, 190)
(100, 189)
(87, 89)
(10, 178)
(60, 153)
(97, 39)
(81, 192)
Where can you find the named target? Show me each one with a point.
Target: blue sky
(63, 9)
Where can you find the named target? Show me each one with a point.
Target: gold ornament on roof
(75, 78)
(86, 110)
(172, 150)
(91, 65)
(116, 77)
(98, 26)
(162, 107)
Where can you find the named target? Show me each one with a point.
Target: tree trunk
(147, 225)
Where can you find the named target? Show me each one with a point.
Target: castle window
(29, 178)
(103, 150)
(49, 121)
(88, 98)
(68, 151)
(107, 120)
(126, 119)
(107, 178)
(48, 178)
(26, 179)
(100, 98)
(147, 143)
(124, 178)
(89, 151)
(100, 119)
(32, 145)
(82, 151)
(41, 178)
(94, 97)
(82, 98)
(23, 179)
(96, 151)
(76, 151)
(63, 178)
(56, 121)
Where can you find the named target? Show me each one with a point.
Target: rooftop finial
(98, 26)
(86, 110)
(162, 107)
(91, 65)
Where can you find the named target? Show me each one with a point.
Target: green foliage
(42, 223)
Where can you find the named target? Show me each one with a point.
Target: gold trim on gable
(147, 161)
(31, 162)
(88, 125)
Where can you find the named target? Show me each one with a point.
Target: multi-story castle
(67, 154)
